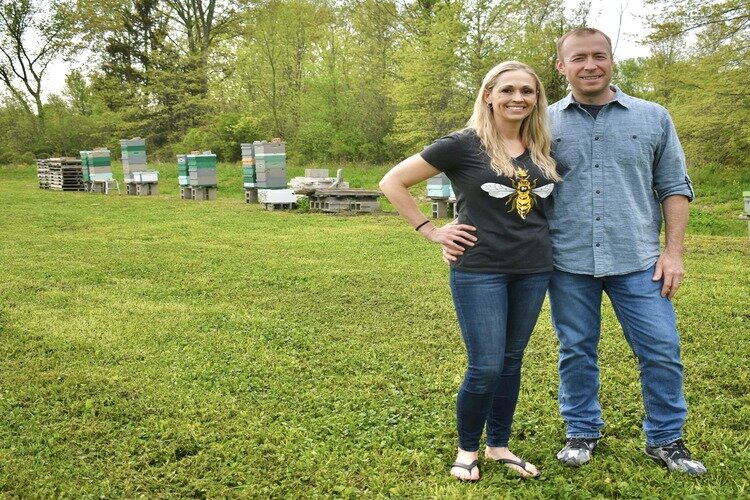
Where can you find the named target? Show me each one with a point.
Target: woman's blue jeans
(650, 326)
(496, 313)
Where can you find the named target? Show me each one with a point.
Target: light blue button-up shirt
(605, 218)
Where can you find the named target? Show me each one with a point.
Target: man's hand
(670, 268)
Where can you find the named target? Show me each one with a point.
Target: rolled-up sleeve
(670, 169)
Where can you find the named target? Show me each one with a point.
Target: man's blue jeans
(496, 313)
(650, 326)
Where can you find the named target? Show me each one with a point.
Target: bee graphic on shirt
(523, 193)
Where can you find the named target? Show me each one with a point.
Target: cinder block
(439, 209)
(316, 173)
(279, 206)
(202, 193)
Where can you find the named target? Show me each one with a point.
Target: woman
(500, 168)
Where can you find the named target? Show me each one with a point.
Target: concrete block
(439, 209)
(203, 193)
(279, 206)
(316, 173)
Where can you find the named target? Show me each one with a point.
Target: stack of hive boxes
(440, 191)
(97, 169)
(182, 172)
(100, 164)
(270, 176)
(270, 164)
(85, 169)
(249, 180)
(138, 179)
(248, 165)
(201, 170)
(439, 186)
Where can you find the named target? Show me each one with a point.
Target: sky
(604, 15)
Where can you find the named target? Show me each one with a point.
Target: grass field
(163, 348)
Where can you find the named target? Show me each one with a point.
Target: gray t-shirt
(512, 232)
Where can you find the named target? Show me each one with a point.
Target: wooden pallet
(42, 173)
(65, 174)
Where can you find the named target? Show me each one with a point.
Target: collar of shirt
(620, 98)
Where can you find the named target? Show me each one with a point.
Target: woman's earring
(489, 105)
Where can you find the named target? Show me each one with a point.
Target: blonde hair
(535, 132)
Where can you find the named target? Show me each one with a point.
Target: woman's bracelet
(422, 224)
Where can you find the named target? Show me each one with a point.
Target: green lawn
(164, 348)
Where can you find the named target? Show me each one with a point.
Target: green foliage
(705, 87)
(630, 76)
(351, 80)
(32, 36)
(168, 349)
(429, 103)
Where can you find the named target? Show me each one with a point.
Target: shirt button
(597, 191)
(598, 218)
(597, 244)
(596, 166)
(596, 138)
(635, 137)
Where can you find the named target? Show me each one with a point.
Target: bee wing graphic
(543, 191)
(497, 190)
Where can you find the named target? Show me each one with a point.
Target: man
(622, 165)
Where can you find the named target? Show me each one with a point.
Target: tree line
(339, 80)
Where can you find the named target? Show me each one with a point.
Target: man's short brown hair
(582, 31)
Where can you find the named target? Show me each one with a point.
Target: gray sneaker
(676, 457)
(577, 451)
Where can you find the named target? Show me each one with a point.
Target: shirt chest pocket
(570, 151)
(636, 149)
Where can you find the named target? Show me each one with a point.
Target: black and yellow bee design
(523, 193)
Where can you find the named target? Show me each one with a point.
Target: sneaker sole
(573, 462)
